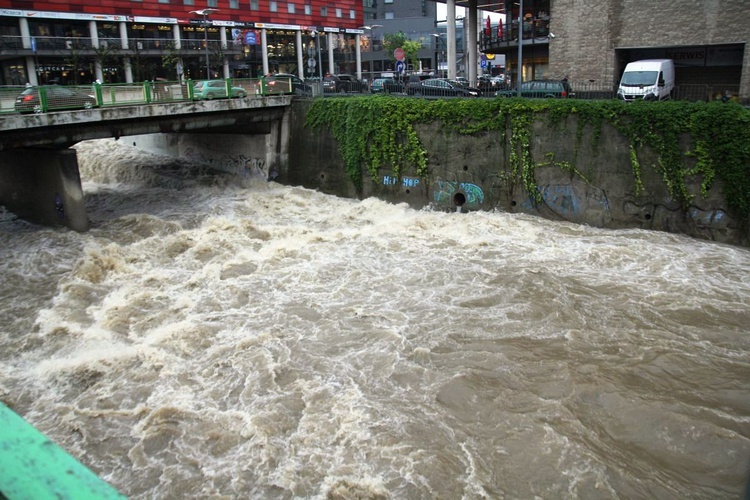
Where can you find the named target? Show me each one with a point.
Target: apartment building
(135, 40)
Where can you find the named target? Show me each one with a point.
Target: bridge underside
(39, 176)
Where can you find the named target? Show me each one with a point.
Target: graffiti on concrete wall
(408, 182)
(446, 190)
(709, 217)
(565, 200)
(240, 165)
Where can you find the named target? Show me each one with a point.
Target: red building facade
(122, 40)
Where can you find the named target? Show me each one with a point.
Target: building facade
(592, 42)
(125, 41)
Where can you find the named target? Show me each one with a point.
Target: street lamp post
(205, 13)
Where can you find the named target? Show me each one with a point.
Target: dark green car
(542, 89)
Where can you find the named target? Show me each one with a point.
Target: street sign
(399, 54)
(400, 66)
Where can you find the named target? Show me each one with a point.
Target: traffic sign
(400, 66)
(399, 54)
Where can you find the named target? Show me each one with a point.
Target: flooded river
(215, 337)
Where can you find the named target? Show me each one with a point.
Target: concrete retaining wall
(474, 173)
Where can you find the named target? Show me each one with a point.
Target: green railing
(32, 466)
(45, 98)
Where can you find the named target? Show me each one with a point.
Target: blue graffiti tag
(446, 189)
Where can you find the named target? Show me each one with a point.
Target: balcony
(504, 36)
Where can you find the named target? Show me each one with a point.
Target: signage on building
(271, 26)
(60, 15)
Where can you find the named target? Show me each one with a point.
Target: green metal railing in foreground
(33, 467)
(46, 98)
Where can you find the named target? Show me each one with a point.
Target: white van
(649, 80)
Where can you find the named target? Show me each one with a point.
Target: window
(290, 8)
(308, 10)
(163, 1)
(389, 15)
(273, 6)
(352, 14)
(324, 12)
(339, 13)
(254, 5)
(188, 2)
(212, 3)
(234, 4)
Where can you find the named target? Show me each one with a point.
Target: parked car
(286, 83)
(540, 89)
(415, 79)
(442, 87)
(386, 86)
(343, 83)
(214, 89)
(57, 98)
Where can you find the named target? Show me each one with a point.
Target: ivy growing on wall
(377, 132)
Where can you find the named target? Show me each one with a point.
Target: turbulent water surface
(219, 337)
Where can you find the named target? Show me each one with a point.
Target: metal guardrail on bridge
(40, 99)
(30, 99)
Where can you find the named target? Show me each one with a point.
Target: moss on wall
(379, 132)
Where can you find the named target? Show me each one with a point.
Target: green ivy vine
(376, 132)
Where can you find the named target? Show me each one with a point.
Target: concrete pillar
(128, 70)
(124, 36)
(451, 42)
(94, 34)
(43, 187)
(23, 26)
(300, 62)
(264, 50)
(358, 54)
(32, 70)
(329, 43)
(176, 37)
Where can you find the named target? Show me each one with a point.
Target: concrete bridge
(39, 177)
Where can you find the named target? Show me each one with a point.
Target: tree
(392, 41)
(105, 55)
(170, 58)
